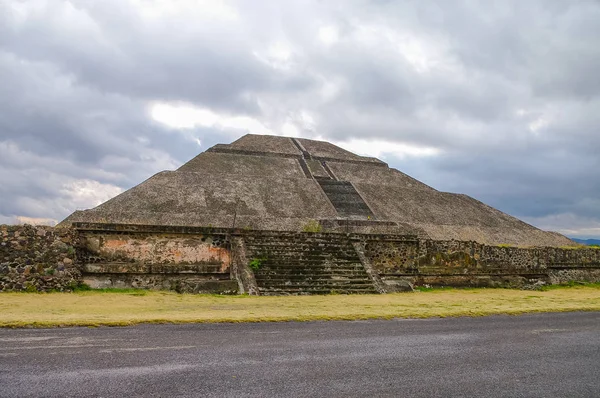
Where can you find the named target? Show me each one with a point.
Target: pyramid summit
(274, 183)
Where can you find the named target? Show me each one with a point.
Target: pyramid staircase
(308, 263)
(346, 200)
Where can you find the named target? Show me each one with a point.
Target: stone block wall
(37, 259)
(200, 260)
(391, 256)
(190, 260)
(458, 263)
(574, 265)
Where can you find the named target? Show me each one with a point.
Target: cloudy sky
(498, 100)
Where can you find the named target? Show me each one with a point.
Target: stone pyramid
(275, 183)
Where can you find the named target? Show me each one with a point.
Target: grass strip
(129, 307)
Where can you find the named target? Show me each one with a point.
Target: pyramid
(275, 183)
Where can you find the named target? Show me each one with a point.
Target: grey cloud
(120, 53)
(509, 95)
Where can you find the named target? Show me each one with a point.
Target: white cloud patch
(200, 9)
(568, 224)
(183, 116)
(85, 194)
(421, 52)
(278, 55)
(328, 35)
(35, 221)
(380, 149)
(20, 220)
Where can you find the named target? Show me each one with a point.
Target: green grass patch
(133, 292)
(433, 288)
(114, 307)
(580, 247)
(256, 263)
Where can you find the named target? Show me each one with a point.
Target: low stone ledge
(574, 266)
(492, 281)
(133, 268)
(143, 228)
(497, 273)
(574, 274)
(178, 283)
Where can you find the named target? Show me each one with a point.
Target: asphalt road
(544, 355)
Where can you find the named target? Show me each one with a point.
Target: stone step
(312, 274)
(297, 248)
(309, 286)
(300, 244)
(338, 189)
(303, 258)
(312, 277)
(293, 292)
(355, 208)
(318, 285)
(310, 265)
(316, 290)
(332, 183)
(307, 278)
(303, 265)
(329, 262)
(345, 199)
(309, 238)
(300, 260)
(307, 265)
(299, 251)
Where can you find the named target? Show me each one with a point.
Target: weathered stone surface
(178, 283)
(241, 268)
(192, 262)
(456, 263)
(275, 145)
(270, 183)
(37, 259)
(325, 151)
(159, 249)
(307, 263)
(204, 260)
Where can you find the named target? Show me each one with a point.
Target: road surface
(543, 355)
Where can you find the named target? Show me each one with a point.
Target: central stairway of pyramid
(343, 196)
(346, 200)
(307, 264)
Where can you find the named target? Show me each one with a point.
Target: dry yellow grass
(106, 308)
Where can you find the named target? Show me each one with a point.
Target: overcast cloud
(498, 101)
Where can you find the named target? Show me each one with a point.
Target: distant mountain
(587, 241)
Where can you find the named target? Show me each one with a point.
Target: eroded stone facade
(37, 259)
(456, 263)
(209, 260)
(195, 261)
